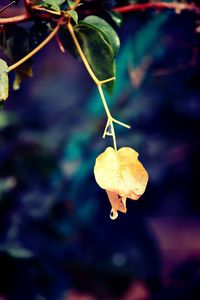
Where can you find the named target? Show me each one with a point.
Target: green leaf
(109, 33)
(3, 80)
(98, 52)
(50, 4)
(70, 3)
(74, 15)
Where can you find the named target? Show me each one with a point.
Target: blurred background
(57, 241)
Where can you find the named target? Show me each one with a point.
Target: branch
(178, 7)
(27, 4)
(15, 19)
(38, 48)
(7, 6)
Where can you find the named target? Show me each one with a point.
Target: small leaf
(74, 15)
(121, 175)
(3, 80)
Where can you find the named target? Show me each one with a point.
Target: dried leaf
(121, 175)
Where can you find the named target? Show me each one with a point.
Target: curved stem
(38, 48)
(15, 19)
(7, 6)
(178, 7)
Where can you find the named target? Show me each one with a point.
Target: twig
(7, 6)
(178, 7)
(15, 19)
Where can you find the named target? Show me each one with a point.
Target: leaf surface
(97, 51)
(3, 80)
(106, 29)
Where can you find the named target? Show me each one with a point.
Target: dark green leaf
(109, 33)
(98, 52)
(3, 80)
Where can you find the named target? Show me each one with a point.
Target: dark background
(55, 232)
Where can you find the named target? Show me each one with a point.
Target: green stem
(99, 84)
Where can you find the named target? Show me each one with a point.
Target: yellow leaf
(121, 175)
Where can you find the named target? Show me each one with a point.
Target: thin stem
(62, 49)
(178, 7)
(38, 48)
(99, 86)
(15, 19)
(7, 6)
(114, 140)
(78, 47)
(120, 123)
(106, 128)
(107, 80)
(104, 103)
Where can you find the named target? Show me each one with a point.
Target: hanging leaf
(3, 80)
(109, 33)
(121, 175)
(97, 51)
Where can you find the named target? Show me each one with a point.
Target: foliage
(92, 37)
(51, 222)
